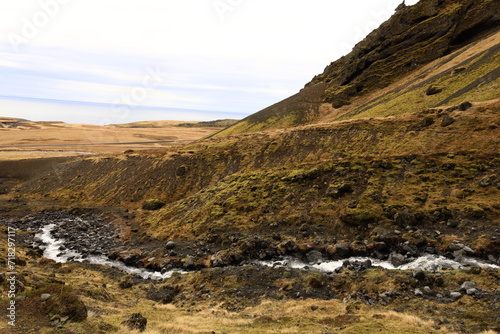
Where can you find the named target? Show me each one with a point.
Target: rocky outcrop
(413, 37)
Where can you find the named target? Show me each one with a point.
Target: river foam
(427, 262)
(52, 250)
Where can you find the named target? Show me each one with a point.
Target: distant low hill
(221, 123)
(162, 124)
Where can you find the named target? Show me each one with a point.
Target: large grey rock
(342, 249)
(468, 285)
(397, 259)
(314, 257)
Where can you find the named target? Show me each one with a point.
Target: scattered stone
(55, 317)
(427, 121)
(170, 245)
(419, 274)
(433, 90)
(455, 295)
(181, 171)
(470, 288)
(20, 298)
(487, 181)
(464, 106)
(289, 246)
(338, 191)
(419, 293)
(447, 120)
(314, 307)
(136, 322)
(45, 296)
(189, 262)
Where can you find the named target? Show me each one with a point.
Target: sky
(117, 61)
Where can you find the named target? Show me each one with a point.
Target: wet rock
(342, 249)
(397, 259)
(357, 266)
(136, 322)
(314, 257)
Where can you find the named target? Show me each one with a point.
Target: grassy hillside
(392, 153)
(285, 180)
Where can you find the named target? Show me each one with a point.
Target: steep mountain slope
(450, 44)
(410, 167)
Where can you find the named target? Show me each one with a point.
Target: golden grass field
(27, 139)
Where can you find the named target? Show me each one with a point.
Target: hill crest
(445, 35)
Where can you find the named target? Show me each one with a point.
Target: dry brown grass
(76, 137)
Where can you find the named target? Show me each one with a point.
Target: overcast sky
(218, 57)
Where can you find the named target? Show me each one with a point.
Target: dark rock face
(412, 37)
(428, 21)
(136, 322)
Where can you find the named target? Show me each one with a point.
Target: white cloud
(261, 52)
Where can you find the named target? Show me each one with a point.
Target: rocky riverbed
(65, 236)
